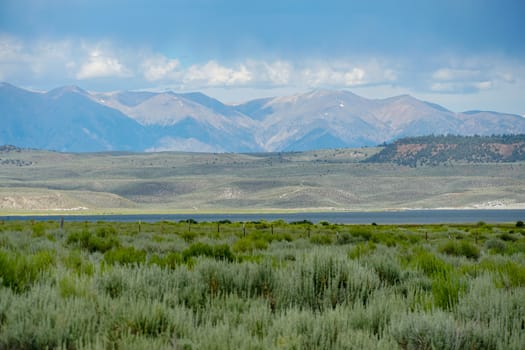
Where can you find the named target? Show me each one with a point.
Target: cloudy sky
(463, 54)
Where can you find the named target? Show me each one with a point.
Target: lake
(382, 217)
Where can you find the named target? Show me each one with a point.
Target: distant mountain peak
(320, 92)
(139, 120)
(67, 89)
(403, 98)
(6, 85)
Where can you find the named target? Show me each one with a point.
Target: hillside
(435, 150)
(117, 182)
(70, 119)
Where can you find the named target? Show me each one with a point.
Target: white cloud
(10, 49)
(101, 65)
(213, 74)
(10, 56)
(355, 77)
(483, 85)
(461, 87)
(449, 74)
(160, 68)
(70, 60)
(276, 73)
(390, 75)
(329, 76)
(60, 60)
(265, 74)
(472, 75)
(460, 80)
(507, 77)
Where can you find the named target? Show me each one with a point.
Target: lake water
(384, 217)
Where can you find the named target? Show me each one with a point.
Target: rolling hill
(338, 179)
(436, 150)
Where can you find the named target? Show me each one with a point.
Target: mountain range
(71, 119)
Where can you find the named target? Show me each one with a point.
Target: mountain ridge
(72, 119)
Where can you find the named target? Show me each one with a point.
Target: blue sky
(464, 54)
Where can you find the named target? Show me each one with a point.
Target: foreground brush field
(261, 285)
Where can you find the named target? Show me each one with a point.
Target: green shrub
(197, 249)
(80, 238)
(520, 223)
(261, 225)
(101, 242)
(222, 252)
(243, 245)
(77, 263)
(507, 237)
(302, 222)
(125, 256)
(516, 247)
(170, 260)
(362, 233)
(283, 237)
(344, 238)
(260, 244)
(421, 331)
(462, 248)
(449, 248)
(469, 250)
(387, 239)
(112, 282)
(387, 268)
(39, 229)
(511, 274)
(446, 290)
(219, 252)
(263, 280)
(18, 271)
(361, 249)
(151, 321)
(106, 231)
(69, 286)
(188, 236)
(321, 239)
(430, 265)
(250, 243)
(495, 245)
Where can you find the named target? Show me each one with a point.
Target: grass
(306, 286)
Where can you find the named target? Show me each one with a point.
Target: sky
(463, 54)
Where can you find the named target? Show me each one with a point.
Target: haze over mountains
(74, 120)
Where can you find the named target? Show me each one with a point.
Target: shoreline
(117, 212)
(392, 217)
(83, 211)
